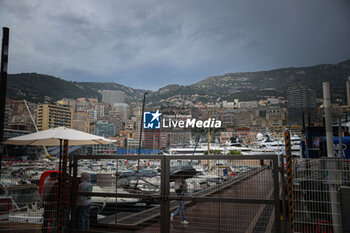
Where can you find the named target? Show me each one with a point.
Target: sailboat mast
(31, 117)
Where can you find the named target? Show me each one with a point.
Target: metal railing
(316, 203)
(236, 193)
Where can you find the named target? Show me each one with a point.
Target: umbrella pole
(62, 206)
(59, 181)
(70, 185)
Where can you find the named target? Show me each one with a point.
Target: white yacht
(273, 146)
(203, 148)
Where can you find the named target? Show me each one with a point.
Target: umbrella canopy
(186, 171)
(52, 137)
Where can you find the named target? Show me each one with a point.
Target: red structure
(152, 138)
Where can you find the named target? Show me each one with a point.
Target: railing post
(74, 194)
(283, 194)
(289, 179)
(276, 195)
(63, 192)
(164, 195)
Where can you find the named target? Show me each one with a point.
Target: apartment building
(52, 116)
(81, 121)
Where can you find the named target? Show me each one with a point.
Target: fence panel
(225, 194)
(125, 193)
(22, 205)
(231, 199)
(315, 193)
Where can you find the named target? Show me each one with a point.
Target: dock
(195, 211)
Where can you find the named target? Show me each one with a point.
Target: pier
(207, 216)
(243, 202)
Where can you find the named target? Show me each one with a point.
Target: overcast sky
(152, 43)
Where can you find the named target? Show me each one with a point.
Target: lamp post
(142, 113)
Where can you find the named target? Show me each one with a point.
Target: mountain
(38, 88)
(253, 85)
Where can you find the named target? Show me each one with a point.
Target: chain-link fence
(316, 182)
(22, 206)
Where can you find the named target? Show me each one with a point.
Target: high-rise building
(135, 109)
(92, 115)
(117, 119)
(52, 116)
(275, 116)
(301, 106)
(67, 102)
(151, 138)
(100, 110)
(123, 109)
(81, 122)
(243, 118)
(82, 105)
(113, 96)
(105, 129)
(179, 137)
(136, 121)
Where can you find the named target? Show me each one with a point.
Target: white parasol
(53, 136)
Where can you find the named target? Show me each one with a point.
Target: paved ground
(20, 227)
(211, 217)
(223, 217)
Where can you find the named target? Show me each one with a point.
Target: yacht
(203, 148)
(273, 146)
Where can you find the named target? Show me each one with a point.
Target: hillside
(38, 88)
(253, 85)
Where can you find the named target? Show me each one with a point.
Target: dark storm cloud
(149, 44)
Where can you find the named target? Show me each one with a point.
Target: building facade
(105, 129)
(113, 96)
(177, 137)
(81, 122)
(301, 106)
(52, 116)
(152, 139)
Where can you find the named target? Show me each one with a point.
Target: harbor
(129, 191)
(197, 212)
(229, 192)
(129, 201)
(174, 117)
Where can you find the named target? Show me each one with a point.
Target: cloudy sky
(151, 43)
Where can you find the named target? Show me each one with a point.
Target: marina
(21, 183)
(146, 220)
(134, 181)
(174, 117)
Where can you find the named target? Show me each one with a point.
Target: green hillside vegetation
(39, 88)
(254, 85)
(244, 86)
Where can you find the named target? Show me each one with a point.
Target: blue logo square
(151, 120)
